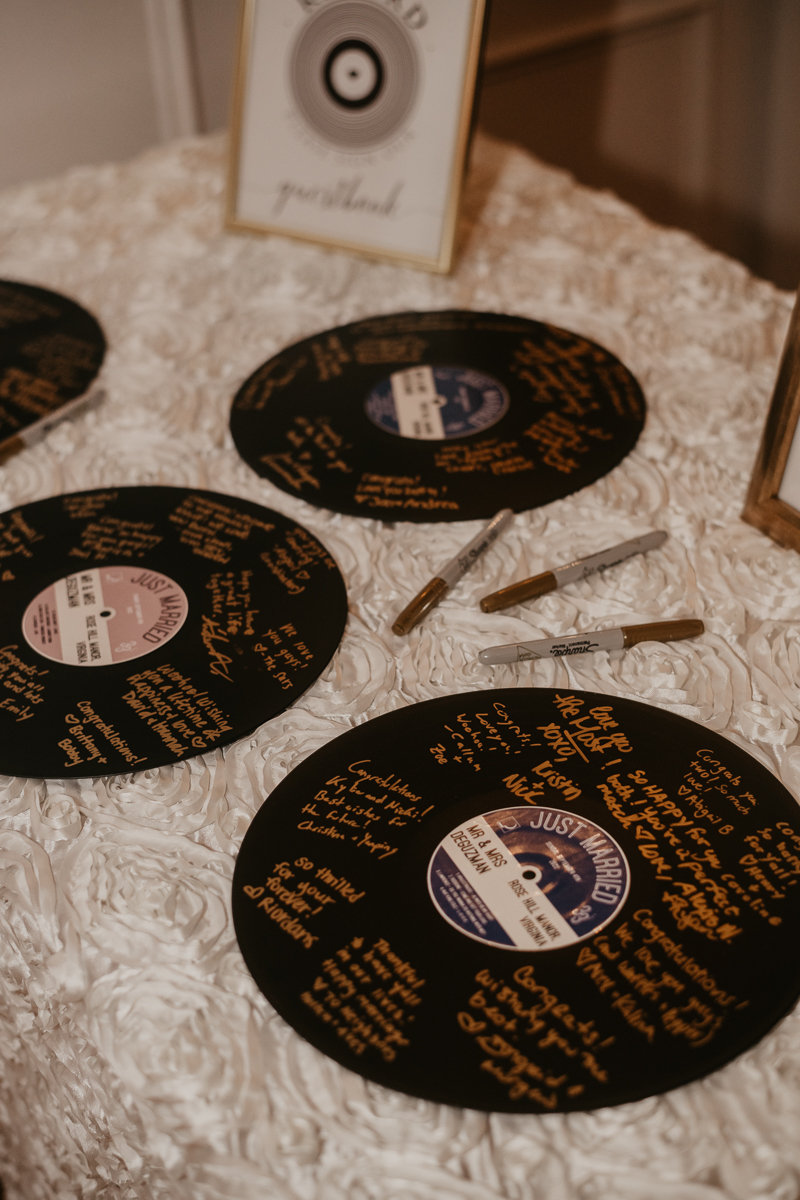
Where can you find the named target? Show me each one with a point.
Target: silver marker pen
(37, 430)
(450, 574)
(548, 581)
(599, 639)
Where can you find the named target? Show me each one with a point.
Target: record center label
(528, 878)
(436, 403)
(105, 615)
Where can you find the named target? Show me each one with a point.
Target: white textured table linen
(137, 1058)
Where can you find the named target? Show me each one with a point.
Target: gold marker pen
(599, 639)
(548, 581)
(34, 432)
(450, 574)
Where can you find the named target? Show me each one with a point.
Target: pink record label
(105, 615)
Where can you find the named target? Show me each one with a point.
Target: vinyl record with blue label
(525, 900)
(438, 416)
(145, 625)
(50, 351)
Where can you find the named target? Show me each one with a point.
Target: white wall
(75, 85)
(87, 81)
(213, 26)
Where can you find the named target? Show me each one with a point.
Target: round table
(138, 1057)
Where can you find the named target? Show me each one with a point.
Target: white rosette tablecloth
(138, 1060)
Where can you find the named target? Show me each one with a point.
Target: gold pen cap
(427, 599)
(663, 631)
(515, 593)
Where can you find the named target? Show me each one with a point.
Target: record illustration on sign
(50, 351)
(354, 75)
(525, 900)
(351, 122)
(440, 416)
(141, 626)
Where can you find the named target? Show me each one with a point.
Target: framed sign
(351, 123)
(773, 501)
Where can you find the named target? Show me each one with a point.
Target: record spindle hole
(353, 73)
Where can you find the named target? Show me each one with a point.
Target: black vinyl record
(437, 416)
(145, 625)
(50, 351)
(525, 900)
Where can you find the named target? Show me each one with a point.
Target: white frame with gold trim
(440, 262)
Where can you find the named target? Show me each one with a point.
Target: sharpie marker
(600, 639)
(548, 581)
(450, 574)
(34, 433)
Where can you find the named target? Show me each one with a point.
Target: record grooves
(525, 900)
(142, 626)
(437, 416)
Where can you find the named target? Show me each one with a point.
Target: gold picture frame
(248, 99)
(773, 499)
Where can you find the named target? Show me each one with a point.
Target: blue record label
(528, 878)
(436, 403)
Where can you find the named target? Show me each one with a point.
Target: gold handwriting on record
(28, 392)
(23, 683)
(683, 852)
(283, 650)
(62, 357)
(546, 774)
(565, 370)
(81, 728)
(82, 508)
(17, 535)
(369, 995)
(231, 601)
(330, 356)
(649, 997)
(113, 537)
(18, 308)
(182, 715)
(275, 374)
(482, 732)
(207, 526)
(349, 805)
(781, 859)
(658, 938)
(503, 1013)
(481, 457)
(620, 387)
(390, 349)
(344, 825)
(312, 440)
(400, 491)
(287, 922)
(305, 896)
(292, 561)
(219, 661)
(560, 371)
(560, 438)
(692, 911)
(290, 468)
